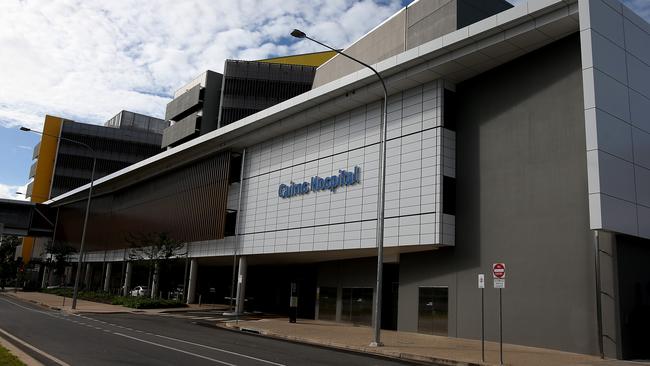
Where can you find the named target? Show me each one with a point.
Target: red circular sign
(499, 270)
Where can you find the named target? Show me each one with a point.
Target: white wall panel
(346, 218)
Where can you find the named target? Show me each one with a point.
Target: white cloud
(89, 59)
(9, 192)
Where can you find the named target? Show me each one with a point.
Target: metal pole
(482, 325)
(376, 341)
(500, 326)
(90, 193)
(599, 309)
(83, 233)
(187, 261)
(237, 219)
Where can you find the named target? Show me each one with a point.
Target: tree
(154, 248)
(8, 265)
(59, 258)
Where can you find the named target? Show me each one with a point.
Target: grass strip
(7, 359)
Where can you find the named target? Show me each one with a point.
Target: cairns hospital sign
(344, 178)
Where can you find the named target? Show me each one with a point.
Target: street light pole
(376, 341)
(90, 193)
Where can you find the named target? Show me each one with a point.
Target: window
(448, 195)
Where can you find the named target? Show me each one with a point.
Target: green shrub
(136, 302)
(146, 303)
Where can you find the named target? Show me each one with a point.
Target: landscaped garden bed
(136, 302)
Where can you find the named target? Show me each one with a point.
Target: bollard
(199, 300)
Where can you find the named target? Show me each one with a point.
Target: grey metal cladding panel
(422, 9)
(431, 24)
(30, 189)
(471, 11)
(211, 102)
(520, 161)
(36, 150)
(32, 169)
(380, 44)
(184, 102)
(180, 130)
(101, 132)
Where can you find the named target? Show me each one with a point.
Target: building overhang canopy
(455, 57)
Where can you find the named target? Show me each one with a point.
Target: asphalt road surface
(56, 338)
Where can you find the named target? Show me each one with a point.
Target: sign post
(481, 285)
(293, 303)
(499, 274)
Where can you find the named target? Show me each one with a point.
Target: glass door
(432, 310)
(327, 303)
(357, 305)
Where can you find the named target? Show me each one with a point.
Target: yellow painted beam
(44, 171)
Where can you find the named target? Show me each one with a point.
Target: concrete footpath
(414, 346)
(65, 304)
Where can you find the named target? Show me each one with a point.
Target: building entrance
(634, 296)
(432, 310)
(357, 305)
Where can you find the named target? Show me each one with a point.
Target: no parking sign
(499, 274)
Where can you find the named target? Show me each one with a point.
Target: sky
(86, 60)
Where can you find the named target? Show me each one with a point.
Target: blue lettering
(282, 192)
(331, 183)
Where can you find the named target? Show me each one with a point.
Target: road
(58, 338)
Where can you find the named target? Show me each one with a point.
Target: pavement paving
(415, 346)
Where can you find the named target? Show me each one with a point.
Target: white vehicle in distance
(140, 291)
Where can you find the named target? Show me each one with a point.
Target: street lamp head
(23, 128)
(298, 33)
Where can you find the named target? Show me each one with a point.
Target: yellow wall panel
(44, 170)
(309, 59)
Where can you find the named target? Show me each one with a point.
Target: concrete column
(107, 278)
(87, 275)
(191, 286)
(46, 277)
(127, 278)
(156, 281)
(241, 285)
(339, 303)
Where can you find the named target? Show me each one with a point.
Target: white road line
(174, 349)
(42, 353)
(220, 350)
(26, 308)
(209, 347)
(159, 336)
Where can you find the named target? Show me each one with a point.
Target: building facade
(214, 100)
(60, 165)
(521, 138)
